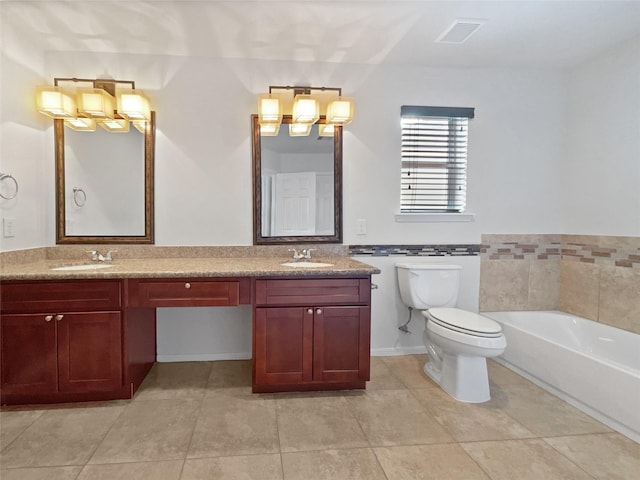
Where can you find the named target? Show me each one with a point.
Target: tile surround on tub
(592, 276)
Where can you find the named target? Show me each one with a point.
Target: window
(434, 159)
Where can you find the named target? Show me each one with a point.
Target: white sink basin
(92, 266)
(306, 264)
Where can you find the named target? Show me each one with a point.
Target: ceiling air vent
(460, 31)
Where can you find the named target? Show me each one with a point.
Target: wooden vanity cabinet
(311, 334)
(61, 341)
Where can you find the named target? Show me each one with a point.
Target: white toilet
(458, 341)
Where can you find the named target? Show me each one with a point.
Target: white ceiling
(534, 34)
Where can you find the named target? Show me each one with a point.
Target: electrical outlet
(361, 226)
(8, 227)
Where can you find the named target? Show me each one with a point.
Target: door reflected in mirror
(297, 181)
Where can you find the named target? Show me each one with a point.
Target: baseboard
(203, 357)
(388, 352)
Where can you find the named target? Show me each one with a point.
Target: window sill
(434, 217)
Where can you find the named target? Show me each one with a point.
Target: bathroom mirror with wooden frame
(104, 185)
(297, 186)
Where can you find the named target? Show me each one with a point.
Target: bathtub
(592, 366)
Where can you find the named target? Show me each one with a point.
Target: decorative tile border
(598, 250)
(415, 250)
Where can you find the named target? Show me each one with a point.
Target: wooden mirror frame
(149, 159)
(258, 239)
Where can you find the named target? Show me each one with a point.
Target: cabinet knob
(59, 317)
(318, 311)
(48, 318)
(310, 311)
(187, 285)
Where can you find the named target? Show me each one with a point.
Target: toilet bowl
(461, 341)
(458, 341)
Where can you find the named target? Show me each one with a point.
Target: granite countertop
(248, 266)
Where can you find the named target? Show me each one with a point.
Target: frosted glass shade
(95, 103)
(269, 129)
(81, 124)
(269, 108)
(133, 104)
(326, 129)
(140, 125)
(300, 129)
(340, 110)
(306, 109)
(55, 103)
(115, 125)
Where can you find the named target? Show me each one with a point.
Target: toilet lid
(465, 322)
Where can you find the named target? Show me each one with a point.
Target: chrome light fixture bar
(105, 103)
(305, 106)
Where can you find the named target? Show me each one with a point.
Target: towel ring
(6, 176)
(79, 196)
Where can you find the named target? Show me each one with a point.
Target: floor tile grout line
(275, 403)
(543, 439)
(22, 432)
(195, 424)
(129, 403)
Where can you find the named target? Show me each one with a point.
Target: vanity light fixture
(115, 125)
(112, 104)
(326, 129)
(304, 106)
(269, 129)
(300, 129)
(81, 124)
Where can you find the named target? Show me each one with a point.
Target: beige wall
(596, 277)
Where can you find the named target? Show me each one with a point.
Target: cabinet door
(341, 344)
(89, 351)
(29, 364)
(283, 345)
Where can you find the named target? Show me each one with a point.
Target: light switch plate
(361, 226)
(8, 227)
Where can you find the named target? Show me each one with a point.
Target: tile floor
(200, 421)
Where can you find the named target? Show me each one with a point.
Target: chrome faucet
(98, 257)
(305, 253)
(297, 255)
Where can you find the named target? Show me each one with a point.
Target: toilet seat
(465, 322)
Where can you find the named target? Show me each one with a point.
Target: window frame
(430, 153)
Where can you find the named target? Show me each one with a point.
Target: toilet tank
(428, 285)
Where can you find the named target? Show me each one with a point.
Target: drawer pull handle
(59, 317)
(319, 311)
(310, 311)
(187, 285)
(48, 318)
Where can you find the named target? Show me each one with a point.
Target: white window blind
(434, 159)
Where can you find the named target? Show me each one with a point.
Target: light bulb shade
(340, 110)
(306, 109)
(95, 103)
(269, 129)
(300, 129)
(140, 125)
(326, 129)
(81, 124)
(55, 103)
(115, 125)
(133, 104)
(269, 108)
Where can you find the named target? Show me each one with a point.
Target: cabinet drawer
(183, 293)
(72, 295)
(318, 291)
